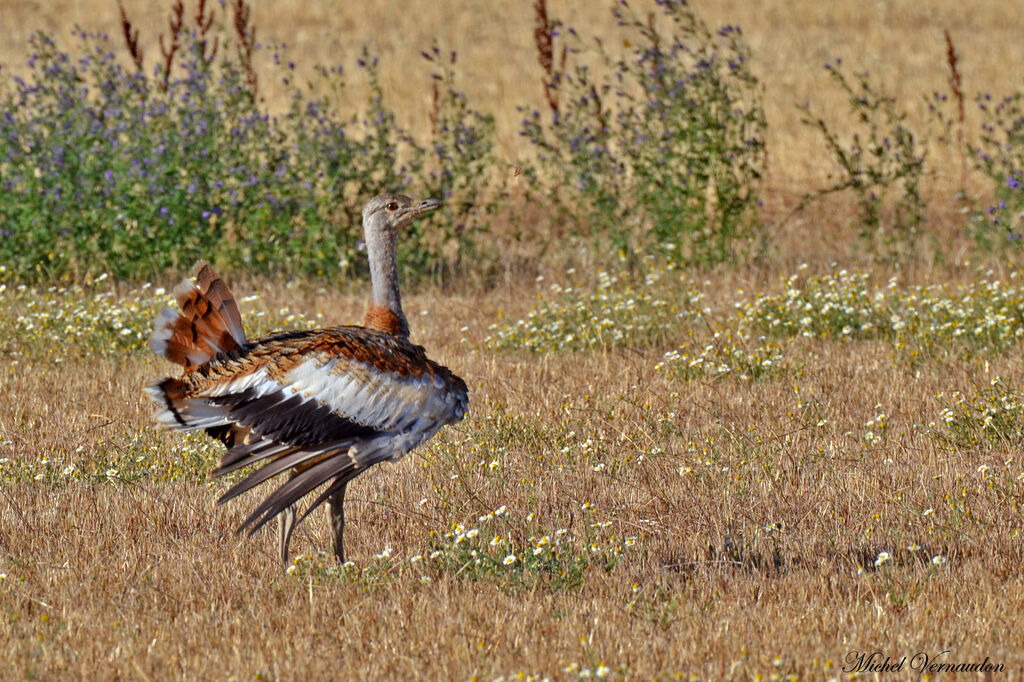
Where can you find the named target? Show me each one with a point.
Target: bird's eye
(392, 206)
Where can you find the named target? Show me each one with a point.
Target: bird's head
(391, 212)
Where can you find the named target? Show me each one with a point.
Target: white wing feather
(405, 410)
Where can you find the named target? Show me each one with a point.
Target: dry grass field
(751, 473)
(665, 517)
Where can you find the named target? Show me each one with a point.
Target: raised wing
(208, 323)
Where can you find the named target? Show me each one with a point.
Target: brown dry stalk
(435, 103)
(654, 36)
(175, 22)
(599, 109)
(131, 37)
(544, 39)
(246, 34)
(204, 22)
(956, 87)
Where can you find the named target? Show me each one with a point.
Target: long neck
(385, 313)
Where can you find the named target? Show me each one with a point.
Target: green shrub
(666, 152)
(881, 159)
(106, 169)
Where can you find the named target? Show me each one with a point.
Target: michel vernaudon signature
(922, 662)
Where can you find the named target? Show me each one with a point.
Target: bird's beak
(408, 215)
(425, 206)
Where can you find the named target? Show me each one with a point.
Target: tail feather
(169, 394)
(177, 411)
(208, 323)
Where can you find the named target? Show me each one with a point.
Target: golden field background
(749, 513)
(900, 41)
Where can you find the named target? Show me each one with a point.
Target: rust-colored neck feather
(385, 313)
(383, 319)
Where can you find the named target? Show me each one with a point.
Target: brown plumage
(209, 322)
(323, 405)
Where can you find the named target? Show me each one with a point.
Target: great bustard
(325, 405)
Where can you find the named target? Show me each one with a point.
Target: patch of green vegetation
(621, 311)
(127, 458)
(984, 316)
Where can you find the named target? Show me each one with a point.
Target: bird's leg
(336, 505)
(285, 526)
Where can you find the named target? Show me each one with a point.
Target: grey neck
(380, 249)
